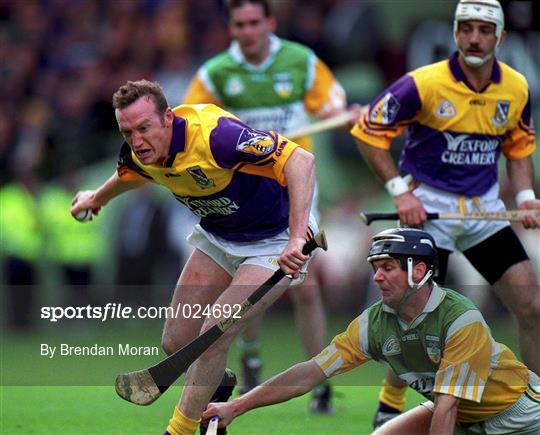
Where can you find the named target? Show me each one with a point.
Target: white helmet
(483, 10)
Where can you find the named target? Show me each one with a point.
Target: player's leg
(416, 421)
(250, 358)
(201, 282)
(204, 374)
(310, 319)
(516, 283)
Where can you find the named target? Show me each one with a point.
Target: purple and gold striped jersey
(447, 349)
(225, 172)
(455, 134)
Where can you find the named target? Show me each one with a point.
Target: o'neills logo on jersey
(433, 348)
(385, 110)
(465, 150)
(233, 86)
(391, 346)
(256, 142)
(203, 207)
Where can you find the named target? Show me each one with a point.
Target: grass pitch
(75, 395)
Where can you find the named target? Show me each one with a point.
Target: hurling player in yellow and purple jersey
(461, 114)
(434, 339)
(273, 84)
(252, 191)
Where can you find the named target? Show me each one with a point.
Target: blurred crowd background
(61, 61)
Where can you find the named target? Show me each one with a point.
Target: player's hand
(357, 111)
(292, 259)
(85, 200)
(530, 222)
(223, 410)
(410, 209)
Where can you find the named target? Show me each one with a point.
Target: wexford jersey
(225, 172)
(447, 349)
(455, 134)
(277, 95)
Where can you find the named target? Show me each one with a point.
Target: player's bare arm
(521, 176)
(296, 381)
(444, 415)
(95, 199)
(300, 173)
(409, 207)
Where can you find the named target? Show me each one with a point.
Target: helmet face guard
(489, 11)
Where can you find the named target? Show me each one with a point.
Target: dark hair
(233, 4)
(130, 92)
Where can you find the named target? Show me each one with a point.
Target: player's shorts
(231, 255)
(455, 234)
(522, 418)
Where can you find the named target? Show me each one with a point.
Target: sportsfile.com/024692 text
(114, 310)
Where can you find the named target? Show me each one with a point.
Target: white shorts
(522, 418)
(231, 255)
(454, 234)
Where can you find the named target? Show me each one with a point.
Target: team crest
(233, 86)
(433, 348)
(445, 109)
(256, 142)
(501, 113)
(391, 346)
(200, 177)
(385, 110)
(283, 85)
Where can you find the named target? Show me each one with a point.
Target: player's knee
(529, 313)
(171, 343)
(305, 295)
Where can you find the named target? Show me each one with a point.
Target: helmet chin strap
(475, 61)
(412, 286)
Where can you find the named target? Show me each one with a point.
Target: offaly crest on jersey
(256, 142)
(501, 113)
(200, 177)
(391, 346)
(386, 110)
(283, 84)
(446, 109)
(433, 348)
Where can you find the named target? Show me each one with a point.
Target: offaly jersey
(447, 349)
(455, 134)
(277, 95)
(228, 174)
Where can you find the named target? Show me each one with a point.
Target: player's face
(391, 280)
(147, 133)
(476, 38)
(251, 28)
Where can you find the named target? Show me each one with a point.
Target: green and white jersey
(446, 349)
(278, 95)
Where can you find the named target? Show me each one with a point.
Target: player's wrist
(396, 186)
(524, 196)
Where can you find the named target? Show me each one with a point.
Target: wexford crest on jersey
(256, 142)
(200, 177)
(501, 113)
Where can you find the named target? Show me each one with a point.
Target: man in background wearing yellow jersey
(252, 190)
(461, 114)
